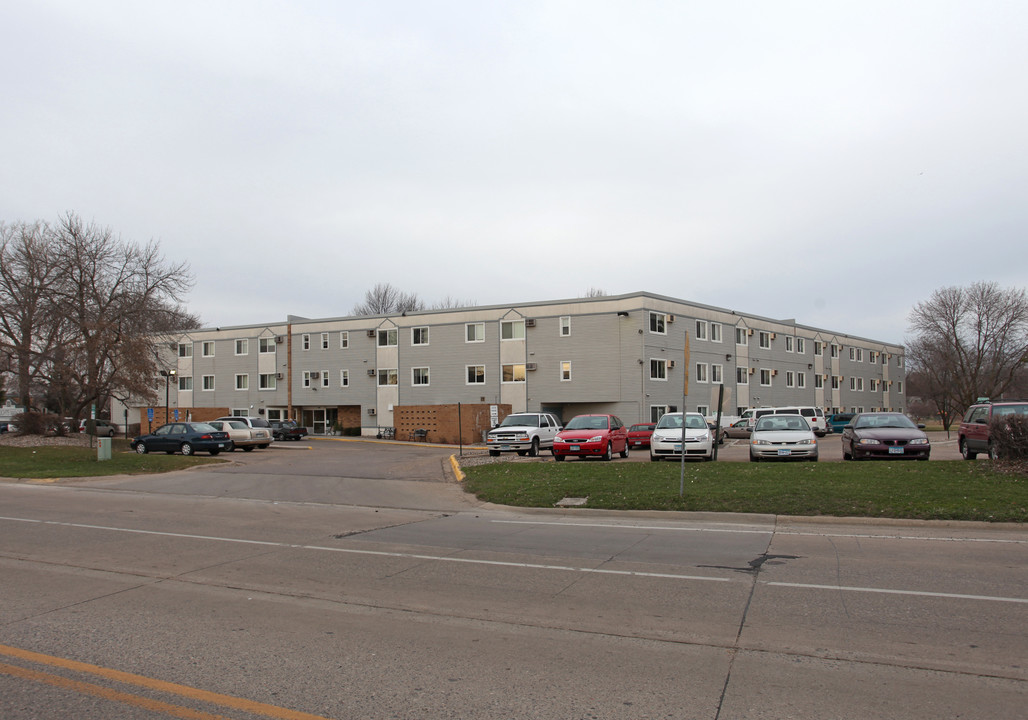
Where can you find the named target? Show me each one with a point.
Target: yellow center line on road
(85, 688)
(229, 701)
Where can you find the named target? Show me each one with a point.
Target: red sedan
(639, 435)
(592, 436)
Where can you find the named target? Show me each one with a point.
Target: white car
(524, 433)
(782, 437)
(260, 428)
(240, 434)
(667, 440)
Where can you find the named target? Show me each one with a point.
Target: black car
(186, 438)
(287, 430)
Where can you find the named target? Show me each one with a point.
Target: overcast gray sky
(833, 162)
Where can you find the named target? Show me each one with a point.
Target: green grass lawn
(943, 490)
(64, 462)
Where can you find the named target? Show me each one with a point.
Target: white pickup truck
(523, 433)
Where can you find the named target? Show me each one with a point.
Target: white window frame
(208, 386)
(701, 329)
(265, 345)
(325, 379)
(819, 348)
(185, 350)
(344, 339)
(764, 340)
(565, 371)
(344, 377)
(742, 375)
(657, 412)
(207, 345)
(242, 346)
(474, 332)
(420, 377)
(185, 383)
(467, 374)
(819, 381)
(658, 323)
(717, 374)
(267, 381)
(565, 326)
(509, 330)
(513, 373)
(388, 337)
(789, 339)
(790, 379)
(703, 410)
(242, 381)
(801, 346)
(716, 332)
(324, 341)
(801, 380)
(658, 369)
(307, 378)
(702, 373)
(419, 336)
(388, 377)
(743, 334)
(765, 377)
(306, 341)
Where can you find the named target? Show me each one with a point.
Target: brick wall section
(349, 416)
(192, 414)
(441, 422)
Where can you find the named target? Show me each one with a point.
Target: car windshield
(883, 421)
(588, 422)
(772, 423)
(237, 424)
(641, 428)
(693, 422)
(511, 420)
(203, 427)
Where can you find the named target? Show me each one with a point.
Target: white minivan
(814, 415)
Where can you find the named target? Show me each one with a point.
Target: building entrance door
(314, 418)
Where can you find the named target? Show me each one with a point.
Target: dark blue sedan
(186, 438)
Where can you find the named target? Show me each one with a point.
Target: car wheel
(965, 451)
(187, 449)
(264, 446)
(708, 458)
(522, 453)
(141, 449)
(624, 453)
(248, 448)
(754, 458)
(494, 453)
(558, 458)
(846, 455)
(214, 452)
(609, 455)
(534, 450)
(654, 458)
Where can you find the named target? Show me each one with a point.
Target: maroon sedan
(886, 435)
(639, 435)
(592, 436)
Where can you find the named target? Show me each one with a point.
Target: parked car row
(222, 435)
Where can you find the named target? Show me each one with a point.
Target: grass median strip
(944, 490)
(64, 462)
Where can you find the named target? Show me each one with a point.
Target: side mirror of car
(920, 426)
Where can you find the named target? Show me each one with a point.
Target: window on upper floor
(387, 337)
(512, 330)
(474, 332)
(419, 336)
(658, 323)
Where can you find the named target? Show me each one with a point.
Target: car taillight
(206, 437)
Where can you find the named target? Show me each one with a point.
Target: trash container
(103, 449)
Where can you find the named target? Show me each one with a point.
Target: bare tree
(30, 269)
(451, 303)
(384, 299)
(968, 343)
(114, 297)
(80, 310)
(596, 292)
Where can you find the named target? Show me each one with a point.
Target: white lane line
(884, 591)
(742, 530)
(383, 553)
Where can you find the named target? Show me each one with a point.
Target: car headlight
(558, 439)
(869, 441)
(595, 438)
(918, 441)
(808, 441)
(761, 442)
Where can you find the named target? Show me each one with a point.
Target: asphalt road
(356, 580)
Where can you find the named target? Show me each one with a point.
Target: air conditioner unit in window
(279, 339)
(749, 331)
(529, 322)
(280, 376)
(774, 373)
(371, 372)
(773, 336)
(670, 364)
(372, 411)
(753, 370)
(670, 318)
(315, 375)
(531, 366)
(371, 333)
